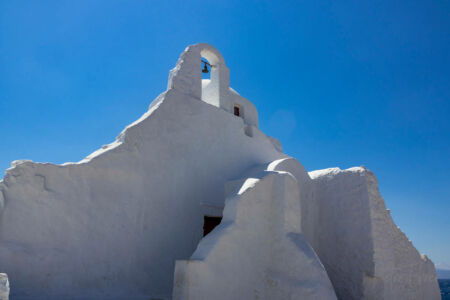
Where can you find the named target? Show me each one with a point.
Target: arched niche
(215, 90)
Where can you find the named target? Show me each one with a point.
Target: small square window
(237, 111)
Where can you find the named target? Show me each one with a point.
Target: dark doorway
(210, 223)
(236, 111)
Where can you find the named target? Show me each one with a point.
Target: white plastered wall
(364, 252)
(4, 287)
(112, 225)
(258, 251)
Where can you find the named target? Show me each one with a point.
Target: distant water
(444, 284)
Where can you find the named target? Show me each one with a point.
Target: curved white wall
(257, 251)
(114, 224)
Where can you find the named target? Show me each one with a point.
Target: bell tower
(186, 77)
(215, 91)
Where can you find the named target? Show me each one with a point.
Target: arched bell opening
(211, 66)
(206, 69)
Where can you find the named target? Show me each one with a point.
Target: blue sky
(340, 83)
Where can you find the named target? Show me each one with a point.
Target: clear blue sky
(340, 83)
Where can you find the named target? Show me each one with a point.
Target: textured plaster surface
(4, 287)
(258, 250)
(112, 225)
(365, 254)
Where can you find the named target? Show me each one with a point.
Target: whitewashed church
(193, 201)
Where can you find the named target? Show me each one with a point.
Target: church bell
(205, 69)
